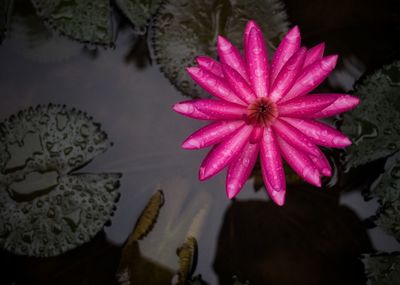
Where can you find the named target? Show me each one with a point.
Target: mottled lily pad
(5, 17)
(47, 207)
(185, 29)
(387, 190)
(83, 20)
(139, 12)
(373, 125)
(382, 269)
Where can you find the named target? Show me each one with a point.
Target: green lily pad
(382, 269)
(139, 12)
(372, 125)
(83, 20)
(185, 29)
(5, 17)
(48, 208)
(387, 190)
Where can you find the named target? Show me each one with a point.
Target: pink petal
(209, 64)
(271, 162)
(256, 135)
(238, 84)
(240, 169)
(277, 196)
(231, 56)
(294, 137)
(222, 154)
(288, 46)
(213, 84)
(311, 77)
(188, 109)
(306, 105)
(300, 162)
(342, 104)
(250, 25)
(313, 54)
(211, 134)
(322, 164)
(319, 133)
(257, 60)
(288, 75)
(218, 110)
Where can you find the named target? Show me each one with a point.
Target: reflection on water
(250, 237)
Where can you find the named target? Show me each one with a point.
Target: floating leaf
(187, 254)
(139, 12)
(382, 269)
(83, 20)
(46, 207)
(185, 29)
(372, 125)
(5, 17)
(34, 41)
(387, 190)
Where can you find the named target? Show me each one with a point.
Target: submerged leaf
(46, 207)
(187, 254)
(139, 12)
(372, 125)
(83, 20)
(382, 269)
(148, 217)
(185, 29)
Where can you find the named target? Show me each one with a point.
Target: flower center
(261, 112)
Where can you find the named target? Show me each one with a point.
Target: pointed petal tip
(328, 63)
(192, 70)
(326, 172)
(278, 197)
(183, 108)
(251, 24)
(231, 192)
(294, 33)
(190, 144)
(202, 173)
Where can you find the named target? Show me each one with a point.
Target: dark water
(315, 238)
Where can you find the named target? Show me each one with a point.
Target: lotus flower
(265, 109)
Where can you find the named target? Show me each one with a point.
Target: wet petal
(319, 133)
(342, 104)
(240, 169)
(238, 84)
(257, 63)
(209, 64)
(213, 84)
(322, 164)
(300, 162)
(231, 56)
(285, 50)
(271, 162)
(211, 134)
(294, 137)
(218, 110)
(313, 54)
(277, 196)
(311, 77)
(306, 105)
(250, 25)
(188, 109)
(288, 75)
(256, 135)
(222, 154)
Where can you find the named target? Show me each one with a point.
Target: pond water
(318, 235)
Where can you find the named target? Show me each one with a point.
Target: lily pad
(373, 124)
(184, 29)
(83, 20)
(187, 254)
(139, 12)
(382, 269)
(5, 17)
(387, 190)
(48, 208)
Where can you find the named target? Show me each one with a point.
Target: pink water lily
(265, 110)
